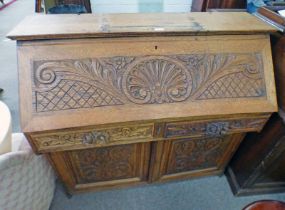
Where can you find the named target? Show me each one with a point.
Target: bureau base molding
(249, 191)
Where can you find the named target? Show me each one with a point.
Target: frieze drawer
(213, 128)
(90, 137)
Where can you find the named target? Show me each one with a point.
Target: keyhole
(155, 47)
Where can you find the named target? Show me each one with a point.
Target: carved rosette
(96, 82)
(96, 138)
(156, 80)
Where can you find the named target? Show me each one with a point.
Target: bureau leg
(64, 189)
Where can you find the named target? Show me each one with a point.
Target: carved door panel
(185, 158)
(103, 167)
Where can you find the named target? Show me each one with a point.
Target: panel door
(104, 167)
(184, 158)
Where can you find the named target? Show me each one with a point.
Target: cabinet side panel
(254, 149)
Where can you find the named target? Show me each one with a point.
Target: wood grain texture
(96, 82)
(196, 80)
(122, 25)
(233, 4)
(214, 127)
(279, 64)
(102, 168)
(272, 15)
(257, 167)
(128, 99)
(101, 136)
(184, 158)
(204, 5)
(89, 137)
(126, 165)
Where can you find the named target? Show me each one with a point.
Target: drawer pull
(217, 128)
(97, 138)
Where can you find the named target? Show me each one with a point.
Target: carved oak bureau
(127, 99)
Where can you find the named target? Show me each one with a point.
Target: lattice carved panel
(94, 82)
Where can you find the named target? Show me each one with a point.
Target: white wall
(134, 6)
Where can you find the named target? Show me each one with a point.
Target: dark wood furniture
(38, 5)
(278, 42)
(204, 5)
(259, 164)
(126, 99)
(85, 3)
(266, 205)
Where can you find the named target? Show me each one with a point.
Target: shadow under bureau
(126, 99)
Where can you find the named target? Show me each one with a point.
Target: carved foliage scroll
(95, 82)
(105, 164)
(212, 128)
(196, 154)
(92, 137)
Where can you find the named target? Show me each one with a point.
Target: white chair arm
(5, 129)
(12, 159)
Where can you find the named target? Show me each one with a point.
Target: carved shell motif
(157, 80)
(95, 82)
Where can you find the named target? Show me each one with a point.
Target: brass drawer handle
(96, 137)
(217, 128)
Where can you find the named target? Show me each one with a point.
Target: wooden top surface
(153, 24)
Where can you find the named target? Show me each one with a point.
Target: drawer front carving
(110, 81)
(62, 140)
(213, 128)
